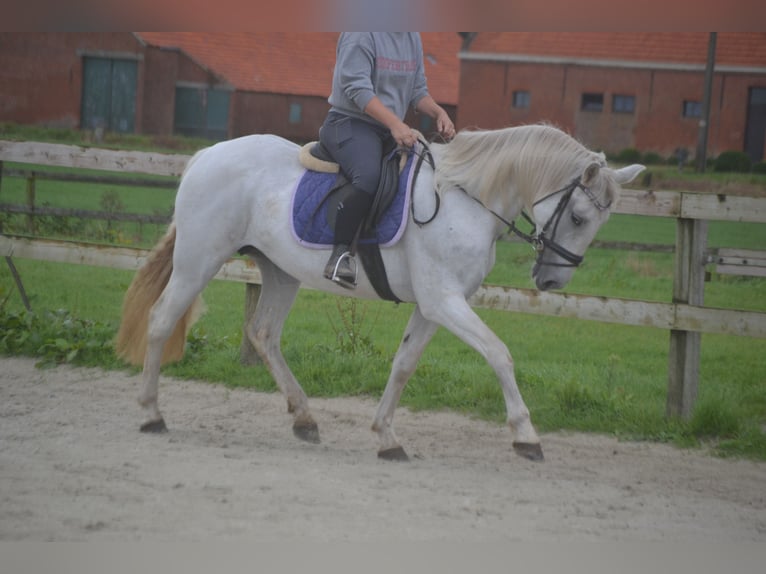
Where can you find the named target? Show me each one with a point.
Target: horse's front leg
(455, 314)
(416, 336)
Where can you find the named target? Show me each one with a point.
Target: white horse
(235, 196)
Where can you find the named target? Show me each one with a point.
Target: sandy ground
(73, 467)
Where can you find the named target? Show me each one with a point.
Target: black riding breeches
(357, 146)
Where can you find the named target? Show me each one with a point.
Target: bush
(732, 161)
(629, 155)
(55, 337)
(652, 158)
(760, 167)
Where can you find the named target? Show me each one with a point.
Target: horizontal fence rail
(593, 308)
(674, 204)
(85, 178)
(93, 158)
(688, 205)
(685, 317)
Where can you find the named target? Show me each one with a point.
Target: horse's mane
(533, 158)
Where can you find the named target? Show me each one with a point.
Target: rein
(424, 155)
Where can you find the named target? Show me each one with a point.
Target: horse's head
(567, 219)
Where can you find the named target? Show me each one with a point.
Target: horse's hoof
(308, 432)
(397, 454)
(157, 426)
(530, 451)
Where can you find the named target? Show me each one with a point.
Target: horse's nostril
(548, 285)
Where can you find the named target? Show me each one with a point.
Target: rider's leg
(357, 146)
(351, 211)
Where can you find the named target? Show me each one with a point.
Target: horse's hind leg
(176, 298)
(416, 336)
(278, 293)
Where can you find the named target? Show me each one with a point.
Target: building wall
(42, 74)
(657, 123)
(41, 78)
(161, 71)
(260, 113)
(165, 69)
(270, 114)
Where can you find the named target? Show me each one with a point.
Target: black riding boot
(341, 267)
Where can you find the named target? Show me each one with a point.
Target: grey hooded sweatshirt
(384, 64)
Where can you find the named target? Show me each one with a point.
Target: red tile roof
(298, 63)
(732, 48)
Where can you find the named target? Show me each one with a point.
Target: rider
(377, 77)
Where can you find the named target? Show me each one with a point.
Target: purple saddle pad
(309, 210)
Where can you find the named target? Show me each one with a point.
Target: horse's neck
(514, 191)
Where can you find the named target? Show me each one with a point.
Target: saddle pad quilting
(309, 210)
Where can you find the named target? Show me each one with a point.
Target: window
(622, 104)
(592, 102)
(521, 99)
(692, 109)
(295, 113)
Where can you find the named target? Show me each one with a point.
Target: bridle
(541, 240)
(545, 238)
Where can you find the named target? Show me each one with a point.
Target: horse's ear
(590, 174)
(628, 173)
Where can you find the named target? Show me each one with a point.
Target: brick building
(619, 90)
(216, 85)
(610, 90)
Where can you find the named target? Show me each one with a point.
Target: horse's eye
(577, 220)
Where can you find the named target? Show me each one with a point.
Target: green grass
(574, 374)
(662, 231)
(87, 196)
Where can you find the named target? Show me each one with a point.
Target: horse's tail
(146, 288)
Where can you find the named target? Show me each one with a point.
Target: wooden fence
(685, 317)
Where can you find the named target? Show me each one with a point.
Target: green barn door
(109, 94)
(202, 112)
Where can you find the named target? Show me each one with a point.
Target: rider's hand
(444, 126)
(404, 135)
(401, 132)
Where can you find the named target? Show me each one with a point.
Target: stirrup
(341, 268)
(347, 277)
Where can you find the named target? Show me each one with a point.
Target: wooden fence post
(688, 288)
(31, 203)
(247, 354)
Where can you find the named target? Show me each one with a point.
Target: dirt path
(73, 467)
